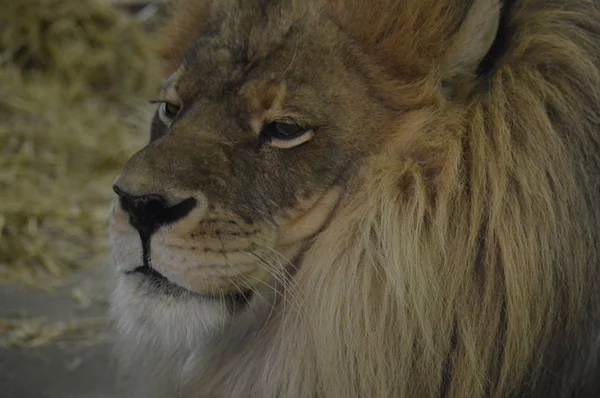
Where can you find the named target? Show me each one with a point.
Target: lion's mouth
(152, 275)
(158, 280)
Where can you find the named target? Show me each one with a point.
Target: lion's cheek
(210, 273)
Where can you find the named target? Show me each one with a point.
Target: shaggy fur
(464, 258)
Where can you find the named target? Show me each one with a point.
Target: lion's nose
(149, 212)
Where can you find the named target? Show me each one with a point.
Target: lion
(356, 198)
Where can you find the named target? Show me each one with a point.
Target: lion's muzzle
(167, 237)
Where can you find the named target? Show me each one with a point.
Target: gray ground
(81, 368)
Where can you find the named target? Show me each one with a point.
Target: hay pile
(74, 77)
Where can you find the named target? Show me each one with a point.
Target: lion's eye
(285, 135)
(167, 112)
(282, 131)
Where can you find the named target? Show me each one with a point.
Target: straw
(74, 76)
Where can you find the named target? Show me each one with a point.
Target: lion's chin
(150, 313)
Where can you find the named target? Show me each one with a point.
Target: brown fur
(464, 257)
(187, 21)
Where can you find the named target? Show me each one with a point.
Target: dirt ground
(82, 368)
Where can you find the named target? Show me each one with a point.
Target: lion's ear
(186, 21)
(472, 42)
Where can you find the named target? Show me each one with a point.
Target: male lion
(357, 198)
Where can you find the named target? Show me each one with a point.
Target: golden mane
(465, 260)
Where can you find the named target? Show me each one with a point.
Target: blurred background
(75, 77)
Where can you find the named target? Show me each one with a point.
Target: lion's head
(353, 198)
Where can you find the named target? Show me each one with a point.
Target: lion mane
(464, 260)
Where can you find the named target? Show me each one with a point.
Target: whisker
(278, 256)
(271, 302)
(289, 293)
(288, 277)
(235, 284)
(263, 298)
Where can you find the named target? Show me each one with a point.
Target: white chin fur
(160, 337)
(163, 322)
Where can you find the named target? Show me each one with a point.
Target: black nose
(149, 212)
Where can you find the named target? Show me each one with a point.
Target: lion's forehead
(234, 44)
